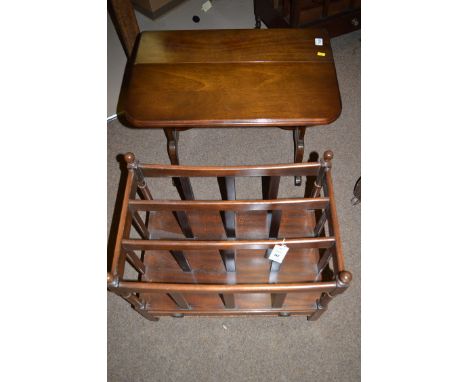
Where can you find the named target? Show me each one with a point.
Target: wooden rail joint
(112, 281)
(134, 164)
(342, 282)
(325, 166)
(327, 158)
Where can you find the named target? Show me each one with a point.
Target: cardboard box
(155, 8)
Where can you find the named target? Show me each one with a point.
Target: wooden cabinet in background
(337, 16)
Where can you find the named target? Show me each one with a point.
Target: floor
(241, 349)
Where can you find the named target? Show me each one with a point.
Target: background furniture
(232, 78)
(155, 8)
(208, 257)
(337, 16)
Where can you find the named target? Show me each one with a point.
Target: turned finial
(345, 277)
(328, 155)
(129, 158)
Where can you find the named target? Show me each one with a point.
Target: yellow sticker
(321, 54)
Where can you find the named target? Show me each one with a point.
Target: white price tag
(318, 41)
(278, 253)
(206, 6)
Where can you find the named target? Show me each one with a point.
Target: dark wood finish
(125, 23)
(181, 260)
(136, 262)
(221, 78)
(298, 136)
(320, 224)
(180, 300)
(277, 300)
(139, 224)
(231, 78)
(336, 16)
(227, 187)
(234, 205)
(181, 245)
(180, 276)
(222, 95)
(229, 301)
(139, 287)
(156, 170)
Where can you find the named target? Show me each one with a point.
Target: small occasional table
(232, 78)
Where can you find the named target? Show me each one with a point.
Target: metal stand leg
(298, 135)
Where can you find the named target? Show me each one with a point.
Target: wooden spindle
(325, 166)
(229, 301)
(270, 192)
(135, 261)
(133, 300)
(133, 164)
(227, 187)
(181, 260)
(180, 300)
(229, 259)
(185, 188)
(275, 266)
(323, 262)
(275, 224)
(273, 217)
(320, 224)
(277, 300)
(184, 224)
(140, 225)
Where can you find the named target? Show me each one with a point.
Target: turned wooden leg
(298, 135)
(342, 283)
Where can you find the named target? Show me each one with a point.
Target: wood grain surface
(222, 266)
(221, 78)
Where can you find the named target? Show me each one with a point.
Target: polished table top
(216, 78)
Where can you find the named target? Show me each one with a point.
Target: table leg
(298, 135)
(258, 20)
(172, 136)
(182, 184)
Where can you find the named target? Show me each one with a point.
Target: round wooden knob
(345, 277)
(110, 279)
(328, 155)
(129, 158)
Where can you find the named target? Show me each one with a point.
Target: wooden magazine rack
(209, 257)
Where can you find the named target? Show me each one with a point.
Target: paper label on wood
(278, 253)
(206, 6)
(318, 41)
